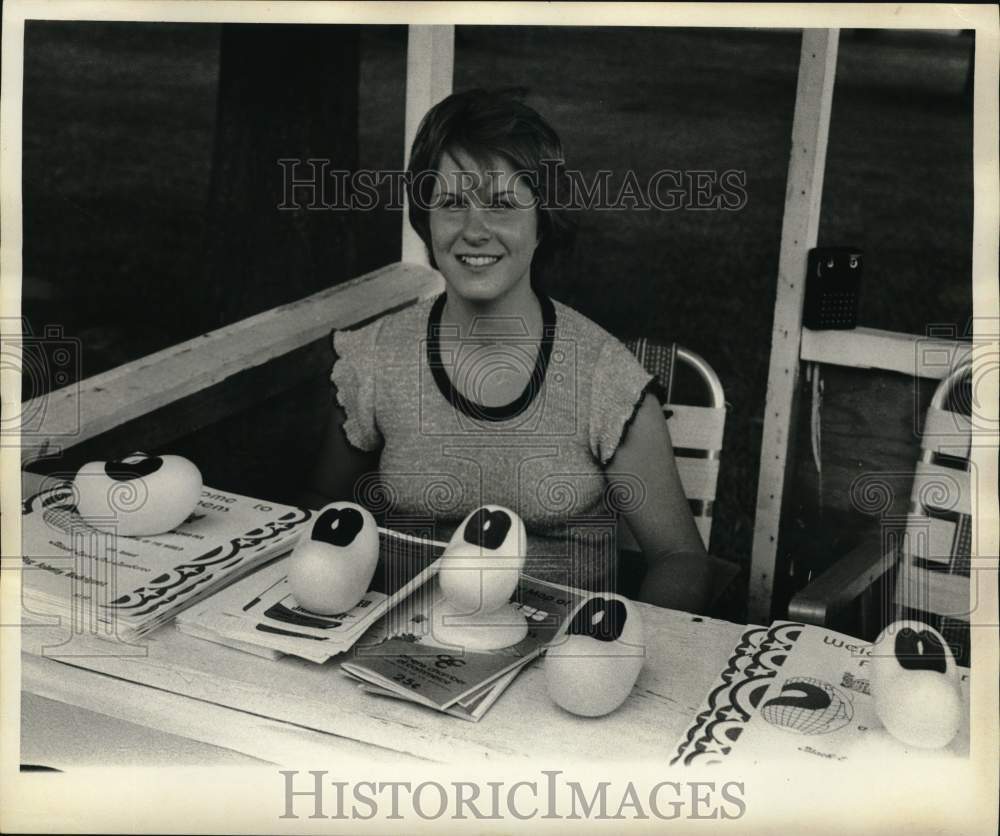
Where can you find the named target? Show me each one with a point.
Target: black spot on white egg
(920, 651)
(479, 568)
(914, 682)
(133, 466)
(600, 619)
(487, 528)
(592, 670)
(164, 492)
(331, 570)
(338, 526)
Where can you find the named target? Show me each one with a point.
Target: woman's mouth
(478, 260)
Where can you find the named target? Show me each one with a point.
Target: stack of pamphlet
(410, 665)
(794, 691)
(132, 585)
(260, 615)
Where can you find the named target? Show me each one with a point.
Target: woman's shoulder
(570, 322)
(617, 381)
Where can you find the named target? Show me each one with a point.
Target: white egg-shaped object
(139, 494)
(481, 565)
(914, 682)
(331, 569)
(590, 671)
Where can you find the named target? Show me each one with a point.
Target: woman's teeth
(478, 260)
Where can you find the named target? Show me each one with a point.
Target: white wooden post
(803, 198)
(430, 65)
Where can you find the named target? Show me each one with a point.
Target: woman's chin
(482, 287)
(477, 288)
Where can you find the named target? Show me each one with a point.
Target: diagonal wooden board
(105, 401)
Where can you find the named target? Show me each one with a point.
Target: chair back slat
(938, 490)
(943, 594)
(696, 427)
(696, 432)
(946, 432)
(932, 584)
(929, 539)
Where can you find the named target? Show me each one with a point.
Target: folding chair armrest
(824, 600)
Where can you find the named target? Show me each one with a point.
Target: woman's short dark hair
(490, 125)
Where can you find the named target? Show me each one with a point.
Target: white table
(283, 711)
(188, 699)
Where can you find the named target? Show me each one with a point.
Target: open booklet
(260, 615)
(411, 664)
(132, 585)
(797, 692)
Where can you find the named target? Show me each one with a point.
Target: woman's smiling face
(484, 238)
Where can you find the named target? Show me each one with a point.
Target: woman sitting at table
(492, 393)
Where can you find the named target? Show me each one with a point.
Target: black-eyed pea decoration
(139, 494)
(591, 671)
(478, 574)
(331, 569)
(481, 565)
(914, 682)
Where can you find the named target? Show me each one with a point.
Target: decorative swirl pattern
(558, 493)
(128, 496)
(443, 493)
(942, 493)
(376, 493)
(871, 493)
(625, 494)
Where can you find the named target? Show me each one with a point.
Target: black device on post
(833, 281)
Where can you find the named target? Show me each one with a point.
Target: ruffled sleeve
(354, 376)
(617, 389)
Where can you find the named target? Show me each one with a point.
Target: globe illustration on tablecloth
(808, 706)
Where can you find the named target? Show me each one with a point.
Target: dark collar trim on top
(471, 408)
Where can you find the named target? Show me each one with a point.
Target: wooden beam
(803, 198)
(870, 348)
(430, 64)
(83, 410)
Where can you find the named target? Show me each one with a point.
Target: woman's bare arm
(678, 573)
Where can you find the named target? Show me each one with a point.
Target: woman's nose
(475, 229)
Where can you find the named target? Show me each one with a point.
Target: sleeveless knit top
(543, 455)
